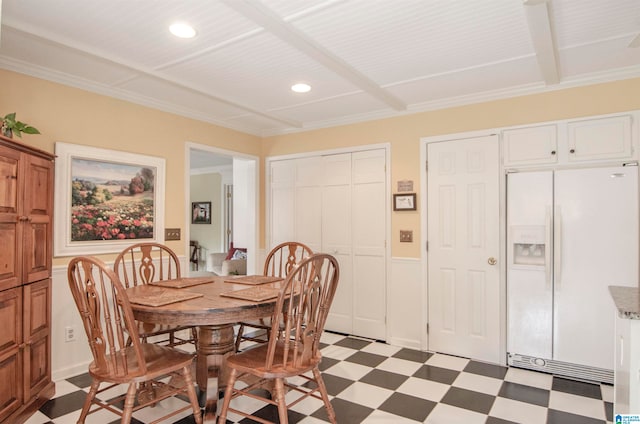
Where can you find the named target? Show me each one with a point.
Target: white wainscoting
(67, 358)
(405, 304)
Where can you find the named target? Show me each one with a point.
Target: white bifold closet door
(337, 204)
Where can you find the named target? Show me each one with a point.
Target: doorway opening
(228, 181)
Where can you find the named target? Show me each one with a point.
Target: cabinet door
(37, 335)
(530, 146)
(10, 352)
(38, 205)
(10, 231)
(596, 139)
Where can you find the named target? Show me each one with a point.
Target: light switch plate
(172, 233)
(406, 236)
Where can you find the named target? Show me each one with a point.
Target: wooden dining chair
(280, 260)
(293, 348)
(108, 318)
(144, 263)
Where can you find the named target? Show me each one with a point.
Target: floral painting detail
(106, 200)
(111, 201)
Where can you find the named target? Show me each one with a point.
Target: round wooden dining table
(206, 305)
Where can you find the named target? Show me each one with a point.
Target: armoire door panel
(10, 312)
(39, 173)
(37, 257)
(37, 334)
(10, 393)
(10, 352)
(10, 245)
(9, 169)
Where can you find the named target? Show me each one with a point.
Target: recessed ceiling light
(182, 30)
(301, 88)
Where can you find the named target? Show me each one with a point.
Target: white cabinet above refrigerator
(591, 140)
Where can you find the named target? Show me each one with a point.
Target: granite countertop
(627, 301)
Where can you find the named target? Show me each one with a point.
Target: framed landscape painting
(106, 200)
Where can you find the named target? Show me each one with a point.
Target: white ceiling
(365, 59)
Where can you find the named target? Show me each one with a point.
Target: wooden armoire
(26, 219)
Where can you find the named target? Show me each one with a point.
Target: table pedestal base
(215, 344)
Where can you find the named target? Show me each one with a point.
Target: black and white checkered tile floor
(372, 382)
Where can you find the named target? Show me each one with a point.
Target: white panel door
(369, 243)
(463, 232)
(336, 236)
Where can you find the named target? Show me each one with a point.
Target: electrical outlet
(70, 333)
(406, 236)
(172, 233)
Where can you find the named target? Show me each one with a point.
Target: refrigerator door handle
(557, 247)
(548, 233)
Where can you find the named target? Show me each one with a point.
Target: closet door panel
(282, 208)
(369, 202)
(336, 236)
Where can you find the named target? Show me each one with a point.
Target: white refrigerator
(571, 234)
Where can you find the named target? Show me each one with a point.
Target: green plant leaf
(9, 123)
(30, 130)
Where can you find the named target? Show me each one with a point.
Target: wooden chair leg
(239, 337)
(129, 400)
(191, 392)
(325, 396)
(87, 402)
(282, 403)
(228, 394)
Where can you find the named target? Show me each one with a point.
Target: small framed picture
(201, 212)
(404, 202)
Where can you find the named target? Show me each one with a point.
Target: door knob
(492, 261)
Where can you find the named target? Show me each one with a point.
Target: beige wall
(404, 134)
(208, 188)
(75, 116)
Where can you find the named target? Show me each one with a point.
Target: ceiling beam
(537, 15)
(265, 17)
(138, 71)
